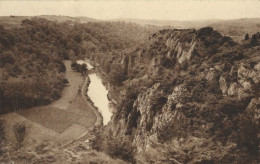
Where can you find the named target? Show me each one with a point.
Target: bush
(2, 136)
(75, 66)
(65, 81)
(20, 132)
(248, 135)
(114, 147)
(2, 132)
(120, 149)
(127, 102)
(117, 75)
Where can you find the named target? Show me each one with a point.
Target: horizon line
(129, 18)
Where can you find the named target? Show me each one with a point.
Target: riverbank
(99, 120)
(60, 122)
(97, 92)
(58, 132)
(112, 93)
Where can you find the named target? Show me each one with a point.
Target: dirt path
(70, 93)
(57, 133)
(65, 120)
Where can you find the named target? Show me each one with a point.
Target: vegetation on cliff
(195, 91)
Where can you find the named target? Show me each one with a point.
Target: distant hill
(15, 21)
(236, 28)
(12, 21)
(68, 18)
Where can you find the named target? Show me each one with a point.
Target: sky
(139, 9)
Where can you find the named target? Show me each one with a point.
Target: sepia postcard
(129, 81)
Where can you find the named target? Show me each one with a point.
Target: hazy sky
(144, 9)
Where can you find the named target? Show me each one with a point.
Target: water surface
(98, 94)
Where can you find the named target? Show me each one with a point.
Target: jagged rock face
(180, 49)
(177, 47)
(204, 95)
(154, 121)
(246, 79)
(247, 73)
(223, 85)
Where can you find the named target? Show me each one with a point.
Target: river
(97, 92)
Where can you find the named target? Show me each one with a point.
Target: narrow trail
(99, 118)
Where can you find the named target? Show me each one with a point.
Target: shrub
(2, 132)
(75, 66)
(20, 132)
(2, 136)
(205, 31)
(120, 149)
(6, 58)
(128, 101)
(248, 134)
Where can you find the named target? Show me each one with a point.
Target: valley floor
(50, 128)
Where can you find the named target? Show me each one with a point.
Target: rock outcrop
(193, 94)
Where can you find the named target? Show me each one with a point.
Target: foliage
(2, 135)
(246, 37)
(2, 131)
(82, 68)
(33, 54)
(117, 75)
(20, 132)
(31, 64)
(114, 146)
(247, 134)
(255, 39)
(121, 149)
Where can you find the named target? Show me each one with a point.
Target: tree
(20, 132)
(6, 57)
(83, 69)
(253, 40)
(246, 37)
(26, 22)
(117, 75)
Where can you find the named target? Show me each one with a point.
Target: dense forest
(31, 67)
(31, 64)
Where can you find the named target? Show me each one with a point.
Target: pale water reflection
(98, 94)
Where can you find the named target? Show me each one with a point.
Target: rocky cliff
(192, 96)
